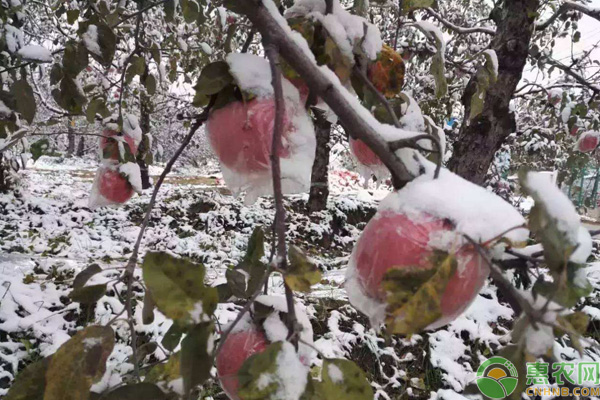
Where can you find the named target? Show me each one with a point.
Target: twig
(365, 80)
(324, 86)
(413, 143)
(281, 260)
(243, 312)
(460, 29)
(249, 40)
(523, 256)
(137, 13)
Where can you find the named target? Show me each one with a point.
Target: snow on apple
(416, 224)
(241, 133)
(251, 337)
(588, 141)
(110, 187)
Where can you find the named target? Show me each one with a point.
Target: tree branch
(566, 7)
(320, 82)
(281, 259)
(384, 102)
(580, 79)
(459, 29)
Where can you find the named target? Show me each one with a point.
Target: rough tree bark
(70, 138)
(479, 139)
(145, 126)
(80, 147)
(319, 182)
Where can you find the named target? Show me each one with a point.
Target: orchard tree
(270, 80)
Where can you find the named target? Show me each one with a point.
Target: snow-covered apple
(364, 154)
(241, 134)
(109, 144)
(587, 142)
(393, 240)
(238, 347)
(114, 186)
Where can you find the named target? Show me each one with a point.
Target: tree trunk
(319, 182)
(145, 126)
(80, 146)
(479, 139)
(5, 178)
(70, 139)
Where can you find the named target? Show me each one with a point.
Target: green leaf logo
(497, 378)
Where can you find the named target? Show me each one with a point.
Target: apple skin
(112, 146)
(393, 240)
(115, 187)
(588, 142)
(364, 154)
(574, 130)
(241, 135)
(237, 348)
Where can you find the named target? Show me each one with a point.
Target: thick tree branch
(459, 29)
(281, 259)
(274, 30)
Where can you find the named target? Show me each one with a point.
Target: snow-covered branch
(570, 6)
(276, 31)
(459, 29)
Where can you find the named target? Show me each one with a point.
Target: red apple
(364, 154)
(587, 142)
(302, 88)
(574, 130)
(114, 186)
(237, 348)
(110, 147)
(554, 97)
(241, 135)
(393, 240)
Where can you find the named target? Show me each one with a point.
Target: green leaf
(30, 383)
(197, 355)
(169, 10)
(82, 277)
(72, 16)
(190, 10)
(177, 287)
(88, 294)
(213, 78)
(150, 84)
(39, 148)
(245, 278)
(107, 41)
(342, 379)
(79, 363)
(148, 309)
(56, 74)
(93, 108)
(69, 96)
(173, 336)
(75, 58)
(136, 391)
(224, 292)
(165, 372)
(137, 65)
(411, 5)
(25, 100)
(260, 364)
(517, 356)
(407, 314)
(301, 273)
(155, 51)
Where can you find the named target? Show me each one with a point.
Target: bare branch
(569, 71)
(566, 7)
(459, 29)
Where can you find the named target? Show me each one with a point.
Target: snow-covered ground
(48, 234)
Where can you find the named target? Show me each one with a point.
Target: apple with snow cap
(241, 135)
(254, 333)
(588, 141)
(109, 144)
(412, 266)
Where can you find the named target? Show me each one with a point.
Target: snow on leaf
(35, 53)
(177, 284)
